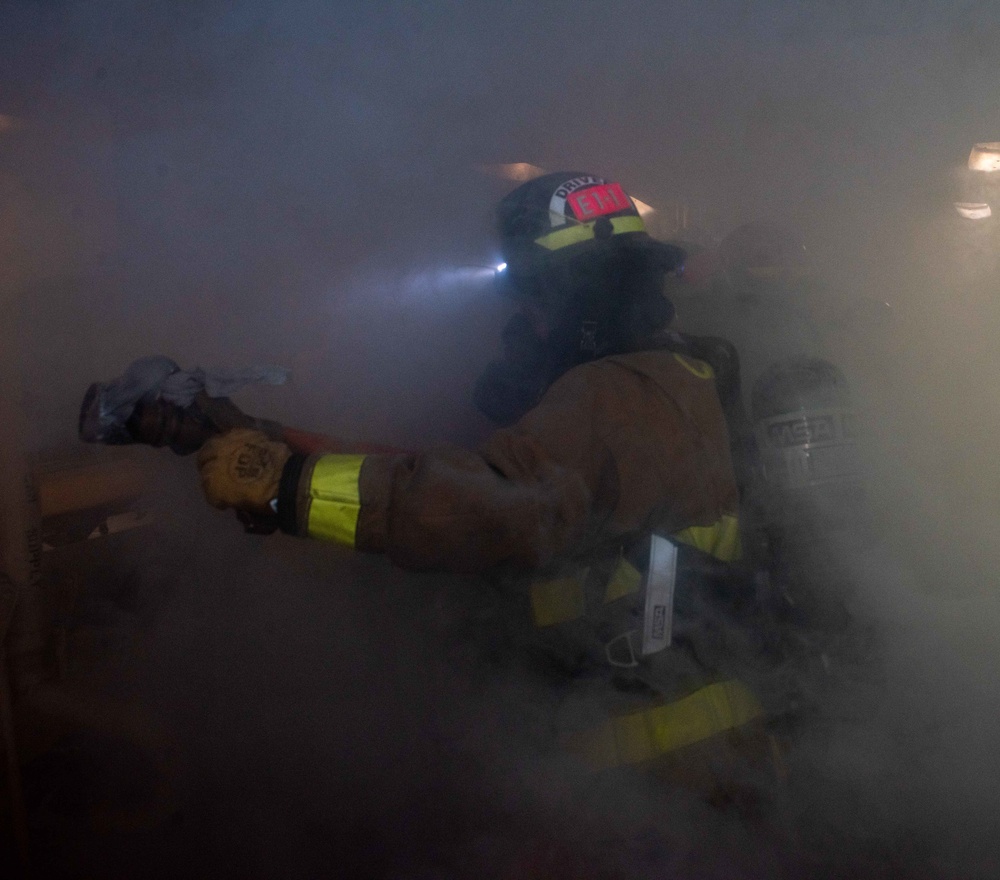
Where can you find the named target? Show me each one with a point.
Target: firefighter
(612, 447)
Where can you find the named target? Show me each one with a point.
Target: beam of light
(501, 267)
(430, 287)
(444, 284)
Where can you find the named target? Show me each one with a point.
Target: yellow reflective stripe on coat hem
(585, 232)
(643, 736)
(721, 539)
(561, 600)
(334, 499)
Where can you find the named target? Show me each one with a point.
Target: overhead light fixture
(973, 210)
(985, 157)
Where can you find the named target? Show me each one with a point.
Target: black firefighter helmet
(577, 249)
(568, 214)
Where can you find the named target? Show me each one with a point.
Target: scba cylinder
(805, 426)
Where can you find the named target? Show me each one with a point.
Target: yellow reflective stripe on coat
(701, 369)
(334, 499)
(721, 539)
(585, 232)
(562, 599)
(642, 736)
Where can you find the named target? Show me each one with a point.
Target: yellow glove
(242, 469)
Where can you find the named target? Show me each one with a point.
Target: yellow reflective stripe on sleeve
(699, 368)
(642, 736)
(335, 500)
(585, 232)
(557, 601)
(721, 539)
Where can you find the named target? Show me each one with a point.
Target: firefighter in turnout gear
(607, 499)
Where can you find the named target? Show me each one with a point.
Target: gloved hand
(241, 469)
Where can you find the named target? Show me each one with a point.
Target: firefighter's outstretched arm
(445, 508)
(518, 501)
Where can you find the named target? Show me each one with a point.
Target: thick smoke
(232, 183)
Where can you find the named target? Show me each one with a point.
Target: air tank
(805, 426)
(815, 515)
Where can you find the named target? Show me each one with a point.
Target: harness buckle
(620, 651)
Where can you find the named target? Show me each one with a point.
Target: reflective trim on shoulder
(585, 232)
(721, 539)
(700, 368)
(557, 601)
(643, 736)
(334, 499)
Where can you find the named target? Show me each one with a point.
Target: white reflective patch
(658, 619)
(557, 204)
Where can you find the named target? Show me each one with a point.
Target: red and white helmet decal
(588, 198)
(596, 201)
(557, 204)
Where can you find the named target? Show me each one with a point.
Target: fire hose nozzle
(153, 422)
(157, 403)
(185, 429)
